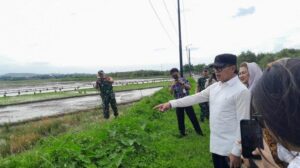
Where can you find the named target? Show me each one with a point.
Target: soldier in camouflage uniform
(201, 86)
(104, 84)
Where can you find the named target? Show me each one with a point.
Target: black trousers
(220, 161)
(192, 116)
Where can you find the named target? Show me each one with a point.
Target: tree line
(84, 77)
(262, 59)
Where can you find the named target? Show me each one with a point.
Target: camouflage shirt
(104, 86)
(201, 82)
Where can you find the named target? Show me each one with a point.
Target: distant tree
(267, 58)
(246, 57)
(199, 68)
(291, 53)
(264, 58)
(187, 68)
(260, 56)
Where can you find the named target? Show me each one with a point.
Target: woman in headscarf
(249, 74)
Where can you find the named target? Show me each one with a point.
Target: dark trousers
(220, 161)
(204, 111)
(192, 116)
(106, 100)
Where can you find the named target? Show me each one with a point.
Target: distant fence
(28, 91)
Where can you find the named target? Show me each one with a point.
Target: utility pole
(188, 51)
(180, 44)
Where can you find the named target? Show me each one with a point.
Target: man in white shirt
(229, 102)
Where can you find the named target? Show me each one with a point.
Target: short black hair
(174, 70)
(100, 72)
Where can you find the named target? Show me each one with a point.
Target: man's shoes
(200, 133)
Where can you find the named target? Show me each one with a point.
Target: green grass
(64, 94)
(142, 137)
(19, 138)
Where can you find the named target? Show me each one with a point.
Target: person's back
(276, 97)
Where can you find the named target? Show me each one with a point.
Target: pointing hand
(163, 107)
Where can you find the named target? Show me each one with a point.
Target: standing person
(249, 74)
(229, 102)
(276, 97)
(180, 88)
(211, 80)
(201, 86)
(104, 84)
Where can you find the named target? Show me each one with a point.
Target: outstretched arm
(186, 101)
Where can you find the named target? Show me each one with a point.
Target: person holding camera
(180, 88)
(104, 84)
(229, 102)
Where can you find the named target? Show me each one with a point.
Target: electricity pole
(179, 33)
(188, 51)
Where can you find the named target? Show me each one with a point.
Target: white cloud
(245, 11)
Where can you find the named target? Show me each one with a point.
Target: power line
(169, 14)
(161, 23)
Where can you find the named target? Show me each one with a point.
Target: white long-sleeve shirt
(229, 102)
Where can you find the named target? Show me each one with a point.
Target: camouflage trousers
(106, 100)
(204, 111)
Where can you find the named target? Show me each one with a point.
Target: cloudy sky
(64, 36)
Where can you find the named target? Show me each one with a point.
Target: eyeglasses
(220, 69)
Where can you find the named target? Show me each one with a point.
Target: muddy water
(24, 89)
(19, 113)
